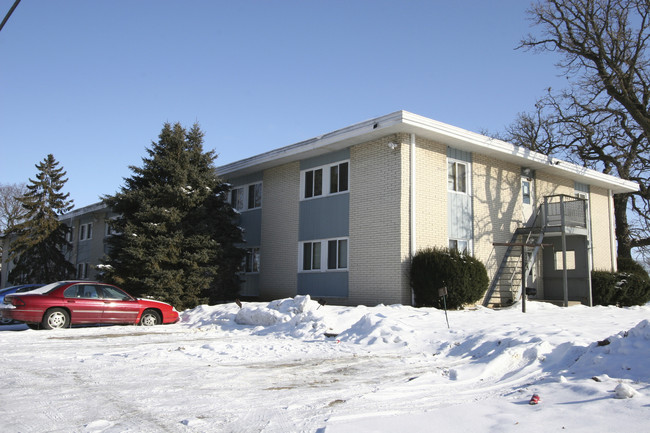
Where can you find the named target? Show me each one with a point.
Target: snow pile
(298, 317)
(622, 356)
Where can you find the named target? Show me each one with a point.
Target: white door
(527, 200)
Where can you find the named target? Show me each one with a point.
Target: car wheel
(5, 321)
(150, 318)
(56, 318)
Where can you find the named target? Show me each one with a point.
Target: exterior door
(527, 200)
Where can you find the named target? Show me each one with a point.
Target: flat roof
(452, 136)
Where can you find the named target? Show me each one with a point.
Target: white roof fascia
(83, 211)
(404, 121)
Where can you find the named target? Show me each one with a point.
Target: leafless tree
(11, 210)
(602, 120)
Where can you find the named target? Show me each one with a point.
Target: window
(110, 227)
(82, 270)
(311, 256)
(339, 178)
(246, 197)
(456, 176)
(237, 198)
(460, 245)
(324, 255)
(85, 231)
(251, 262)
(525, 191)
(337, 254)
(315, 181)
(69, 235)
(255, 196)
(109, 292)
(570, 260)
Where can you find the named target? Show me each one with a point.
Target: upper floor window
(525, 191)
(326, 180)
(246, 197)
(255, 195)
(85, 231)
(339, 178)
(457, 176)
(314, 183)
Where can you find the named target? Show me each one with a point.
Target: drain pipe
(612, 230)
(412, 203)
(412, 192)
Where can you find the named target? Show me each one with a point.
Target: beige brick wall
(379, 223)
(599, 212)
(431, 194)
(497, 207)
(279, 253)
(546, 184)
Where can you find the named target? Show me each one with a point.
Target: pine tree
(176, 238)
(40, 239)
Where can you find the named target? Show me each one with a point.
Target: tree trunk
(623, 237)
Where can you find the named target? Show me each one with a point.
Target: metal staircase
(505, 287)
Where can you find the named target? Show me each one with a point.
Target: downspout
(612, 233)
(412, 204)
(412, 192)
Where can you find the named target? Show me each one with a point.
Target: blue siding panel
(328, 158)
(326, 284)
(251, 222)
(323, 218)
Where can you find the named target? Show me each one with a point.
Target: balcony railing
(559, 209)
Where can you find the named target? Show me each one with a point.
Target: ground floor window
(324, 255)
(251, 262)
(460, 245)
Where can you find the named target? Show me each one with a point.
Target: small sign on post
(442, 292)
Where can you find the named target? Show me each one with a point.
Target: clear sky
(92, 82)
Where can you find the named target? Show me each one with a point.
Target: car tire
(56, 318)
(150, 318)
(4, 321)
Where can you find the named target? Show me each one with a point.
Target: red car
(59, 305)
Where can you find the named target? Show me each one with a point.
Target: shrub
(464, 276)
(631, 266)
(619, 288)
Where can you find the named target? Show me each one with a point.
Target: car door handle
(70, 302)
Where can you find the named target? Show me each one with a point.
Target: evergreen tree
(40, 239)
(176, 238)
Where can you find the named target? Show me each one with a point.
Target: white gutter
(612, 230)
(412, 191)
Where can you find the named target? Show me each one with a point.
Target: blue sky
(92, 82)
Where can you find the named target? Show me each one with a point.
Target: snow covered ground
(294, 366)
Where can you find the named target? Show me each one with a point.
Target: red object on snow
(534, 399)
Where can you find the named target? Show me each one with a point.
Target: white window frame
(323, 260)
(110, 231)
(86, 232)
(242, 204)
(253, 257)
(455, 163)
(82, 271)
(468, 245)
(326, 178)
